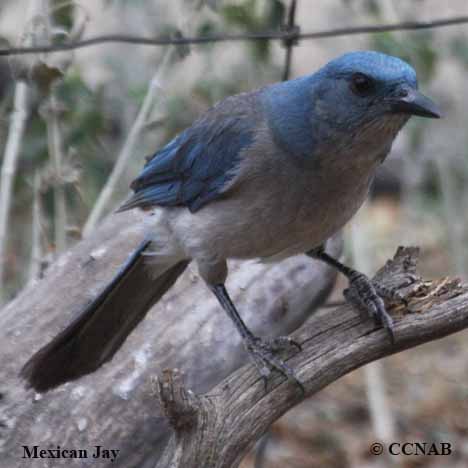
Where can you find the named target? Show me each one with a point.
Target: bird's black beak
(412, 102)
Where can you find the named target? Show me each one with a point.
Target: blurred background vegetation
(81, 107)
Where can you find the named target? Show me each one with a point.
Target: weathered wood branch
(216, 430)
(115, 407)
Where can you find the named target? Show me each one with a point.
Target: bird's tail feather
(98, 332)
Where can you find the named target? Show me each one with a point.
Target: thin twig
(55, 144)
(128, 148)
(382, 418)
(449, 197)
(12, 149)
(271, 35)
(36, 250)
(10, 160)
(290, 43)
(141, 120)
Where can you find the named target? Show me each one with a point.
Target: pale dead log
(216, 430)
(115, 407)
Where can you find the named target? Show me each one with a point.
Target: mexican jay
(265, 174)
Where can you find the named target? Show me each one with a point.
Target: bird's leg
(262, 351)
(363, 293)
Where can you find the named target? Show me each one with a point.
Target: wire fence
(290, 34)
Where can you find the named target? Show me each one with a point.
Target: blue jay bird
(266, 174)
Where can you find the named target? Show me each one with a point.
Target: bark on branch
(217, 429)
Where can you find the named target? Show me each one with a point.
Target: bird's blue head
(370, 89)
(356, 103)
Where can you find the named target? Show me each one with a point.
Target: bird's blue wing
(196, 166)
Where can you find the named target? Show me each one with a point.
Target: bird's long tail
(98, 332)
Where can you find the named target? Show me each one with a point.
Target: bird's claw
(393, 295)
(263, 353)
(367, 296)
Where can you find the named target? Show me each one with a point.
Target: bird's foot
(264, 355)
(368, 296)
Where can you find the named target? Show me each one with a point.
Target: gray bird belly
(288, 217)
(319, 217)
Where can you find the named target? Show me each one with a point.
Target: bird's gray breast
(316, 206)
(275, 208)
(286, 209)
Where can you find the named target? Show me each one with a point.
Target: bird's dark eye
(361, 84)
